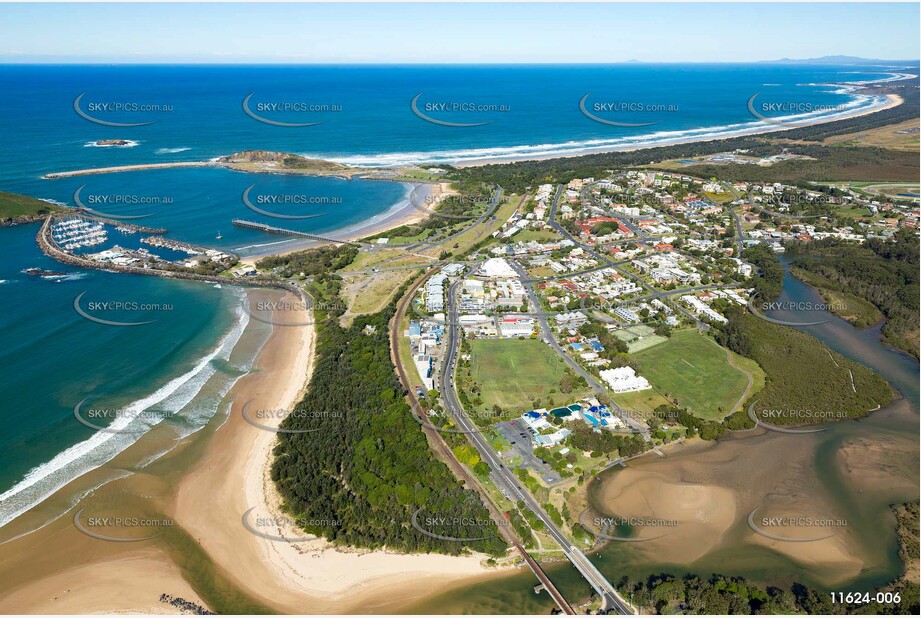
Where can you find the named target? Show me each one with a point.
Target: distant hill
(844, 60)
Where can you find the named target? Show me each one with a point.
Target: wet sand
(58, 569)
(832, 488)
(406, 212)
(235, 475)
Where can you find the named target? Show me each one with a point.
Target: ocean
(178, 365)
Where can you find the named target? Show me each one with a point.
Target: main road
(609, 595)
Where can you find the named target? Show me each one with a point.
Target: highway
(610, 598)
(447, 455)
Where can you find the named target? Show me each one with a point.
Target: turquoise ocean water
(53, 358)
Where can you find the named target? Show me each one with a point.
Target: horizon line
(88, 62)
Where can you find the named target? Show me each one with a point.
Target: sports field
(513, 372)
(693, 370)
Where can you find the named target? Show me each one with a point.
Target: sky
(454, 33)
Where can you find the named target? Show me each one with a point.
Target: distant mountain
(844, 60)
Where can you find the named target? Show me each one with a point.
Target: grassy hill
(16, 208)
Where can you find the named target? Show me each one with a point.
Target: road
(610, 598)
(436, 440)
(550, 338)
(493, 204)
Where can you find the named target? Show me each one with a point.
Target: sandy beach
(761, 128)
(711, 488)
(286, 575)
(84, 575)
(405, 212)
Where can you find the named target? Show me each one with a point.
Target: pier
(252, 225)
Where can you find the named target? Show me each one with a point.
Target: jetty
(252, 225)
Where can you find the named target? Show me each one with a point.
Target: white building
(624, 380)
(497, 268)
(516, 326)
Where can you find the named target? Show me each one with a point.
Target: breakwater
(49, 247)
(129, 168)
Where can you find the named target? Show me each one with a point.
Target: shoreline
(235, 472)
(758, 128)
(892, 100)
(232, 471)
(403, 212)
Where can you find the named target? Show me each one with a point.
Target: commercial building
(624, 380)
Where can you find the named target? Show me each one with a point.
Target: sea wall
(50, 248)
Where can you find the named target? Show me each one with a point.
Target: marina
(75, 232)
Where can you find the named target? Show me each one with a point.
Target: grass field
(881, 137)
(512, 373)
(642, 403)
(542, 236)
(693, 370)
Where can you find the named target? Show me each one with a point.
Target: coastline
(706, 134)
(285, 575)
(404, 212)
(207, 501)
(763, 128)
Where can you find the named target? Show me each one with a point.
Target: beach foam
(171, 150)
(858, 104)
(44, 480)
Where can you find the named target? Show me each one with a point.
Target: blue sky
(436, 33)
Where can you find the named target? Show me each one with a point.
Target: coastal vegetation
(908, 110)
(15, 208)
(584, 439)
(365, 468)
(769, 281)
(283, 163)
(883, 273)
(833, 388)
(452, 211)
(310, 262)
(838, 162)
